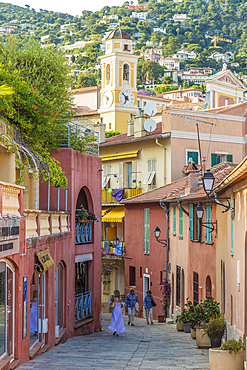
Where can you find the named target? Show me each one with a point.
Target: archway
(208, 287)
(84, 198)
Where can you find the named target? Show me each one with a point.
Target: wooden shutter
(208, 223)
(193, 155)
(121, 172)
(146, 230)
(191, 215)
(180, 224)
(229, 158)
(174, 220)
(214, 159)
(134, 170)
(198, 230)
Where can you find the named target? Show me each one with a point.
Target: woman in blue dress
(117, 323)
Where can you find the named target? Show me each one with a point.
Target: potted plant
(83, 215)
(215, 329)
(228, 357)
(165, 288)
(179, 323)
(185, 319)
(195, 318)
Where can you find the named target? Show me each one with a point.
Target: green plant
(216, 327)
(84, 214)
(165, 288)
(233, 345)
(106, 270)
(184, 317)
(210, 308)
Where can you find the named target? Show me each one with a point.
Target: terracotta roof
(84, 111)
(153, 97)
(177, 189)
(74, 91)
(123, 138)
(182, 105)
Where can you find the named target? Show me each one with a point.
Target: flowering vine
(165, 288)
(106, 271)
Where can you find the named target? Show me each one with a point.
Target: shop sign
(45, 262)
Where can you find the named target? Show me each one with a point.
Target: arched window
(108, 74)
(208, 287)
(126, 72)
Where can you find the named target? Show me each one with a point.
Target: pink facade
(53, 291)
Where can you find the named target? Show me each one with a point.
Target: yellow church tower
(118, 82)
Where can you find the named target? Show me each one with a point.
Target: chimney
(192, 182)
(138, 124)
(101, 132)
(204, 161)
(130, 126)
(226, 102)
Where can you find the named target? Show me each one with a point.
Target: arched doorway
(208, 287)
(7, 290)
(59, 298)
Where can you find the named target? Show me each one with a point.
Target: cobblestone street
(158, 346)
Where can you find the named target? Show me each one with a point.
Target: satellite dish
(149, 125)
(150, 109)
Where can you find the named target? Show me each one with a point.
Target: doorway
(59, 299)
(146, 286)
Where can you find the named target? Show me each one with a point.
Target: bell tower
(118, 81)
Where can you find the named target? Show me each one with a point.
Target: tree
(165, 88)
(151, 70)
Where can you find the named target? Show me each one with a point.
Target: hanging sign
(45, 262)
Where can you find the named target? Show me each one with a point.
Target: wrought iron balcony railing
(82, 305)
(109, 247)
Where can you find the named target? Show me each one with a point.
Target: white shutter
(121, 172)
(146, 181)
(134, 170)
(151, 177)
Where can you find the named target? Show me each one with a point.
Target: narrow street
(158, 346)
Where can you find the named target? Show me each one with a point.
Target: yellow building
(118, 88)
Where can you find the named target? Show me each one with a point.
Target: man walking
(130, 302)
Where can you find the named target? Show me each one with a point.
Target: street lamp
(157, 235)
(199, 211)
(208, 181)
(199, 215)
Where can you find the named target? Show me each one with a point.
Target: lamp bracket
(212, 228)
(216, 201)
(164, 242)
(182, 209)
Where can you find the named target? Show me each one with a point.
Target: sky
(73, 7)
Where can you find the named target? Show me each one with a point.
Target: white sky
(73, 7)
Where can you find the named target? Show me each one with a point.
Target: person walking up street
(117, 323)
(130, 302)
(147, 303)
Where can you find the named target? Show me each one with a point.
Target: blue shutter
(198, 230)
(229, 158)
(191, 215)
(208, 223)
(214, 159)
(180, 224)
(146, 230)
(174, 220)
(231, 250)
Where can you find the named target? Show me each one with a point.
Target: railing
(75, 136)
(128, 193)
(82, 305)
(109, 248)
(10, 199)
(83, 232)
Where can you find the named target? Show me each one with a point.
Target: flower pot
(180, 326)
(161, 318)
(186, 327)
(193, 333)
(223, 360)
(202, 339)
(82, 221)
(216, 342)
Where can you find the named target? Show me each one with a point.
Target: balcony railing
(83, 232)
(128, 193)
(82, 305)
(111, 249)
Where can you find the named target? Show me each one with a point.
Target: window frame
(193, 151)
(178, 286)
(132, 275)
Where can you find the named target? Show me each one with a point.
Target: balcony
(82, 305)
(83, 232)
(128, 193)
(111, 249)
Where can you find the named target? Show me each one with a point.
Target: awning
(120, 155)
(106, 210)
(115, 215)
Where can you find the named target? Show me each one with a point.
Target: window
(161, 276)
(106, 176)
(192, 156)
(150, 177)
(126, 47)
(146, 230)
(174, 221)
(59, 296)
(195, 288)
(108, 74)
(140, 272)
(217, 158)
(191, 226)
(178, 285)
(208, 222)
(132, 276)
(129, 180)
(138, 103)
(180, 224)
(126, 72)
(231, 204)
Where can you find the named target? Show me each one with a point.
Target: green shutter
(208, 223)
(214, 159)
(180, 224)
(174, 220)
(193, 155)
(146, 230)
(191, 215)
(229, 158)
(231, 250)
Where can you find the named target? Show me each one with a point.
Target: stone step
(14, 364)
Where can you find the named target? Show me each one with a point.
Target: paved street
(159, 346)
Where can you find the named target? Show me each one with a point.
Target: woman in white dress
(117, 323)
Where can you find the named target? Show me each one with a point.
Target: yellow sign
(45, 261)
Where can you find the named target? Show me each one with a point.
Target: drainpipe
(165, 208)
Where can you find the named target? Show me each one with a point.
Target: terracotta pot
(82, 221)
(202, 339)
(193, 333)
(186, 327)
(223, 360)
(180, 326)
(161, 318)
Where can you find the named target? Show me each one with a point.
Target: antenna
(149, 125)
(150, 109)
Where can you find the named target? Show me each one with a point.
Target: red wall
(155, 262)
